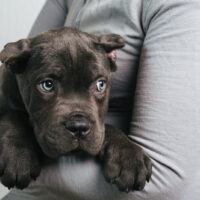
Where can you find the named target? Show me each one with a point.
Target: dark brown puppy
(54, 91)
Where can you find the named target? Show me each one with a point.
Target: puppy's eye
(47, 86)
(100, 86)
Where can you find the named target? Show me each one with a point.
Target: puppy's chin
(55, 147)
(91, 147)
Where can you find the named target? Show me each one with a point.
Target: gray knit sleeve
(52, 15)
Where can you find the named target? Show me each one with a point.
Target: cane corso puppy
(54, 91)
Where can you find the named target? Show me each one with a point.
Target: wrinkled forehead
(73, 61)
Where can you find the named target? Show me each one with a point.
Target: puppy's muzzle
(78, 125)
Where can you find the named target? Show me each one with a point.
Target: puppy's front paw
(18, 166)
(129, 167)
(125, 163)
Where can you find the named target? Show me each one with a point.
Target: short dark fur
(33, 121)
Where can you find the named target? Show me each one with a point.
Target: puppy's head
(63, 77)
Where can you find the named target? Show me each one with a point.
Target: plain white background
(16, 20)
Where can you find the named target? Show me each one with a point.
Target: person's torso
(106, 16)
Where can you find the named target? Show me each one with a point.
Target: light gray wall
(16, 19)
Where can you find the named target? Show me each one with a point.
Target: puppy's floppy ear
(111, 42)
(15, 55)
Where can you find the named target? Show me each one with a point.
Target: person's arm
(52, 16)
(166, 113)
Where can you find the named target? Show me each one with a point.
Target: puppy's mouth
(62, 143)
(77, 144)
(56, 144)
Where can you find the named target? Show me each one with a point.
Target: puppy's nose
(78, 128)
